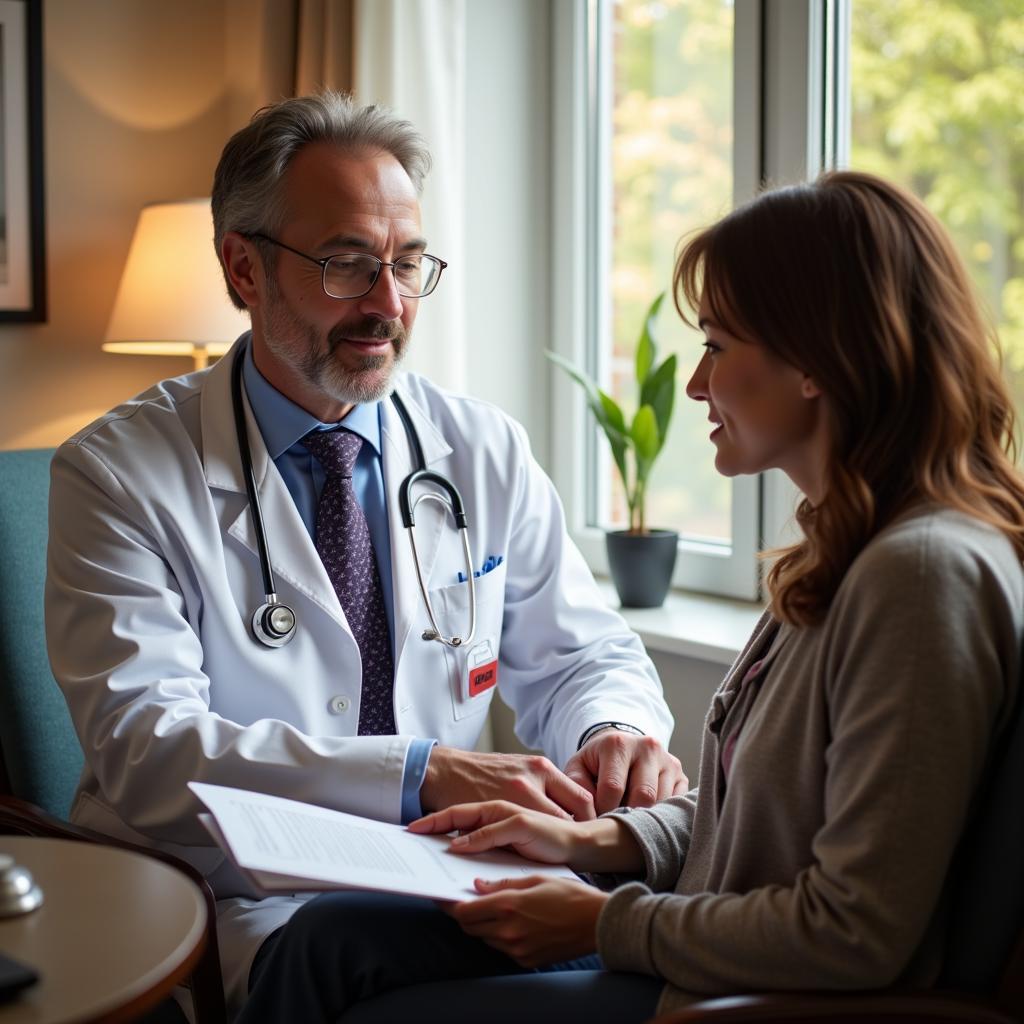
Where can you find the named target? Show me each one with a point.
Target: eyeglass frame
(381, 264)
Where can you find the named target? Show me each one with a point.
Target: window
(667, 113)
(651, 147)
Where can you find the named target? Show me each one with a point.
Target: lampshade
(172, 299)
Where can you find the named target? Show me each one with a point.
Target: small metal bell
(19, 893)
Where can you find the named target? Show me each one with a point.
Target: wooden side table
(116, 933)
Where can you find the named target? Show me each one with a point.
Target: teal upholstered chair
(40, 756)
(31, 705)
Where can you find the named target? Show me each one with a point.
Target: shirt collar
(283, 423)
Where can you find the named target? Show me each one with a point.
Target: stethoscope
(273, 623)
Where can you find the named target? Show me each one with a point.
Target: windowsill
(712, 629)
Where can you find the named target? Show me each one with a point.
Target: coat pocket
(473, 668)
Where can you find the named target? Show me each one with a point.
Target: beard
(366, 378)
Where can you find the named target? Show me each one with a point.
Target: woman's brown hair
(854, 282)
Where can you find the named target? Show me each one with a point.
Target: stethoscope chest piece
(273, 624)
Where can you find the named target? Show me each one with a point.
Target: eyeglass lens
(348, 276)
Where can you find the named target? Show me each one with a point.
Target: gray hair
(246, 184)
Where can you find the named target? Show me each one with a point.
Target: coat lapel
(293, 556)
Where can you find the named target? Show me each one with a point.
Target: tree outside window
(937, 104)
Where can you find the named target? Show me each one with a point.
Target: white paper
(285, 845)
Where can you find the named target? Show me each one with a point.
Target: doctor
(155, 568)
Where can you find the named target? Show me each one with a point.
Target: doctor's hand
(456, 776)
(536, 921)
(620, 768)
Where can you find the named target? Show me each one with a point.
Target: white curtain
(410, 55)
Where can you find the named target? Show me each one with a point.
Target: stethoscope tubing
(263, 620)
(245, 452)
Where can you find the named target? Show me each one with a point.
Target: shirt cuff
(416, 761)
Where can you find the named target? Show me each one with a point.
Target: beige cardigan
(822, 864)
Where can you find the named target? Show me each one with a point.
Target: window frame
(788, 87)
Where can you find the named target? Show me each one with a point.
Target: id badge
(483, 668)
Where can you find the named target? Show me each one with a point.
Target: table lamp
(172, 299)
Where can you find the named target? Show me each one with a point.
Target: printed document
(288, 846)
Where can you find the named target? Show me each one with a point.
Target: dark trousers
(358, 958)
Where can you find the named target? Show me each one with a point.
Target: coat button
(339, 705)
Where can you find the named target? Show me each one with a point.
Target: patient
(844, 346)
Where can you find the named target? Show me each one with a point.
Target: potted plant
(641, 559)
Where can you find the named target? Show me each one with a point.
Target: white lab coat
(154, 575)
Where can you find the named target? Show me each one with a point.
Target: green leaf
(659, 392)
(579, 376)
(591, 390)
(615, 430)
(612, 411)
(646, 347)
(607, 413)
(645, 438)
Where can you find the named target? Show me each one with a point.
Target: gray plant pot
(641, 565)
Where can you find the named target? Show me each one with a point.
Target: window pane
(937, 104)
(671, 115)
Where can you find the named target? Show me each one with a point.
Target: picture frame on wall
(22, 182)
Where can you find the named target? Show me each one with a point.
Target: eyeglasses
(350, 275)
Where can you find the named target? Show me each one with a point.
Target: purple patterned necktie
(343, 543)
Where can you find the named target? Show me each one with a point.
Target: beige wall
(138, 103)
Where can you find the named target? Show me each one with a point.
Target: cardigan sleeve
(920, 653)
(663, 834)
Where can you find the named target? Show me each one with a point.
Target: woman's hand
(601, 845)
(535, 921)
(484, 826)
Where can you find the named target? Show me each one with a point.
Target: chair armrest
(22, 818)
(883, 1008)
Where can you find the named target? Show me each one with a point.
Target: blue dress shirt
(283, 425)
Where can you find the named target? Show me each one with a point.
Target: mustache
(368, 329)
